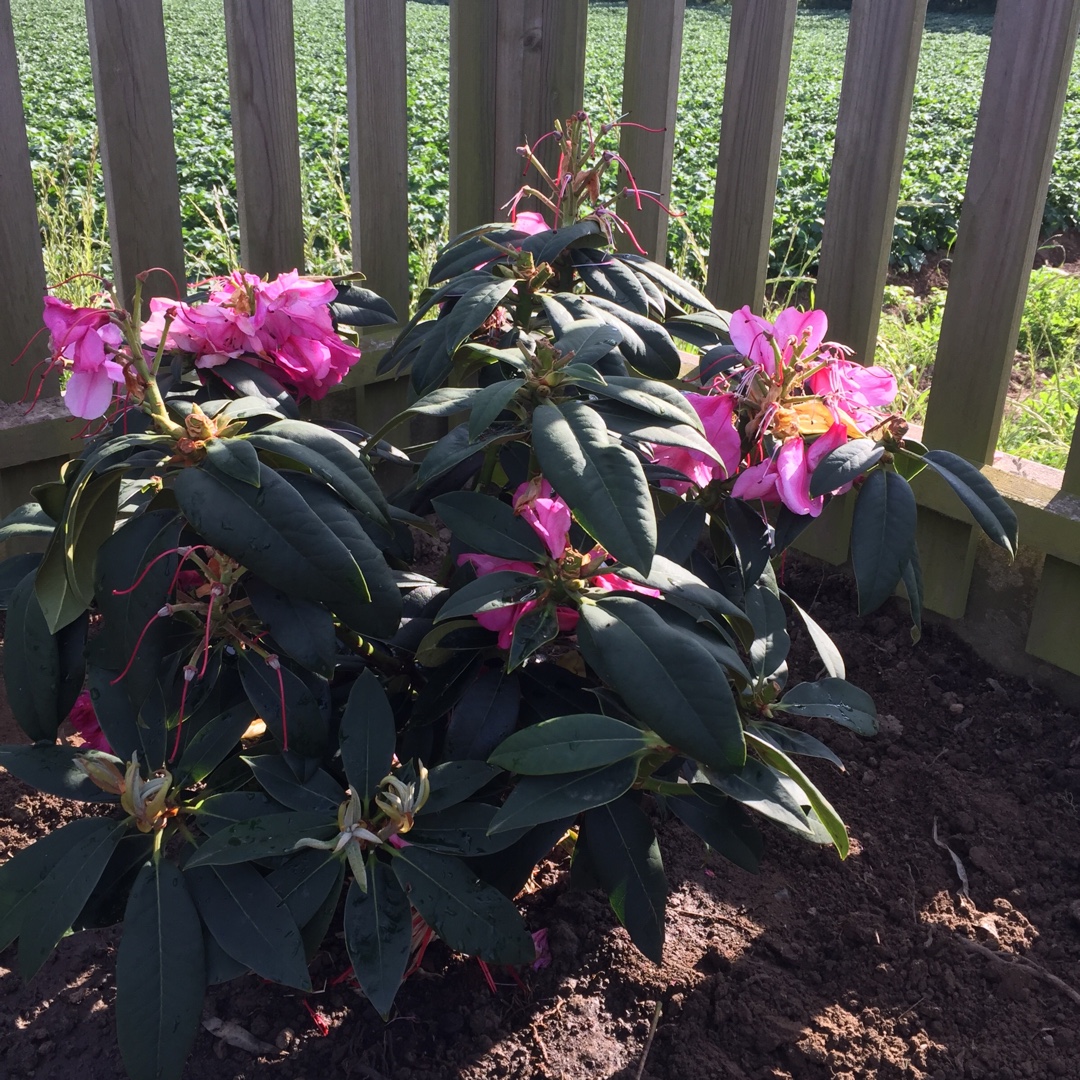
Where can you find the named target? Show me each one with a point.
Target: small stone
(868, 776)
(956, 708)
(285, 1038)
(1074, 911)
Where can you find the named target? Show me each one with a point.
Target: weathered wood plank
(514, 69)
(1027, 75)
(751, 125)
(266, 141)
(22, 274)
(142, 195)
(654, 30)
(473, 36)
(378, 146)
(864, 182)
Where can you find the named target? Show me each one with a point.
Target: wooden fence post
(751, 126)
(654, 30)
(1027, 75)
(142, 193)
(266, 140)
(22, 274)
(378, 146)
(515, 67)
(864, 182)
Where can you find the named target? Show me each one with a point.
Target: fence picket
(22, 274)
(1027, 75)
(752, 122)
(864, 182)
(262, 93)
(378, 146)
(142, 196)
(654, 30)
(514, 69)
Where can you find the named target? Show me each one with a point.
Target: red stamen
(217, 591)
(189, 674)
(161, 613)
(347, 974)
(146, 273)
(317, 1019)
(27, 346)
(425, 942)
(183, 552)
(487, 977)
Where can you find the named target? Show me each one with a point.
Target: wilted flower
(794, 334)
(84, 720)
(853, 391)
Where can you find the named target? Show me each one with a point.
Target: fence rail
(516, 64)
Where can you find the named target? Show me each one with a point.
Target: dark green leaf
(548, 245)
(160, 977)
(790, 741)
(649, 396)
(669, 680)
(261, 837)
(601, 480)
(305, 880)
(13, 570)
(832, 699)
(302, 726)
(378, 934)
(913, 586)
(588, 339)
(32, 665)
(60, 896)
(486, 713)
(658, 358)
(536, 799)
(768, 652)
(368, 735)
(272, 531)
(331, 457)
(471, 917)
(489, 403)
(567, 744)
(531, 633)
(462, 830)
(481, 523)
(236, 458)
(318, 793)
(27, 520)
(250, 921)
(490, 591)
(626, 859)
(52, 769)
(455, 448)
(993, 514)
(671, 283)
(844, 464)
(302, 629)
(882, 537)
(213, 742)
(607, 277)
(721, 823)
(826, 649)
(762, 789)
(217, 812)
(454, 781)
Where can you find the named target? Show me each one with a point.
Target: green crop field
(55, 71)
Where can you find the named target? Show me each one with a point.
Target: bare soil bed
(878, 967)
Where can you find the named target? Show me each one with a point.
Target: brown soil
(877, 967)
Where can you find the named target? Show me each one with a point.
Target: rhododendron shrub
(290, 709)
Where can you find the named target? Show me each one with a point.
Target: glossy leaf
(790, 741)
(536, 799)
(489, 403)
(655, 398)
(826, 648)
(671, 283)
(481, 523)
(534, 630)
(491, 591)
(485, 714)
(470, 916)
(60, 896)
(301, 629)
(52, 769)
(845, 464)
(882, 537)
(250, 921)
(721, 823)
(668, 679)
(452, 782)
(27, 520)
(769, 650)
(832, 699)
(462, 830)
(568, 744)
(32, 665)
(378, 934)
(368, 735)
(588, 339)
(760, 788)
(601, 480)
(607, 277)
(994, 515)
(261, 837)
(213, 742)
(304, 720)
(626, 859)
(160, 975)
(236, 458)
(317, 793)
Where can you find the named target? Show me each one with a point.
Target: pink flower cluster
(717, 414)
(283, 325)
(86, 340)
(550, 519)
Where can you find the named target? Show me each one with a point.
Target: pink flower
(531, 221)
(785, 477)
(717, 413)
(284, 325)
(550, 519)
(85, 722)
(854, 389)
(83, 339)
(543, 950)
(795, 333)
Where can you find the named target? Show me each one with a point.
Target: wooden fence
(515, 65)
